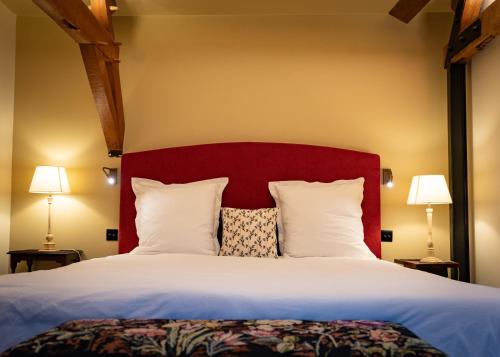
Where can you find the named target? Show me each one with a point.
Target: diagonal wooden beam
(406, 10)
(104, 97)
(74, 17)
(114, 76)
(92, 29)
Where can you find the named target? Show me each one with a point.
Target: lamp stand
(431, 258)
(49, 244)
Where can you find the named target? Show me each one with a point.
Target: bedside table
(438, 268)
(63, 257)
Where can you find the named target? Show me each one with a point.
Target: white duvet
(458, 318)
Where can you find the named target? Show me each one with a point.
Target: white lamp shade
(50, 180)
(429, 189)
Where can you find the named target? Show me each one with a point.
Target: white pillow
(320, 219)
(178, 218)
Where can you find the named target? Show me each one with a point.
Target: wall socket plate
(111, 234)
(386, 236)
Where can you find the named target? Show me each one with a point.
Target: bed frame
(250, 166)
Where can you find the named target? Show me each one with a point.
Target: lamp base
(48, 249)
(430, 259)
(49, 245)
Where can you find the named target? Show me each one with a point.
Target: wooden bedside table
(438, 268)
(63, 257)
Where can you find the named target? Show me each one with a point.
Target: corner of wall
(7, 73)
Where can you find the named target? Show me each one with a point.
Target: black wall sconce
(111, 175)
(387, 179)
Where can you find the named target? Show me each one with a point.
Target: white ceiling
(238, 7)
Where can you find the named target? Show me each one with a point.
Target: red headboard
(250, 166)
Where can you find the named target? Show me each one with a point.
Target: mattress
(459, 319)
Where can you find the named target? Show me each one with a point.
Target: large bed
(459, 319)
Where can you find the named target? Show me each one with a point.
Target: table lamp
(429, 190)
(49, 180)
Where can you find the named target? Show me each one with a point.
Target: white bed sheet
(460, 319)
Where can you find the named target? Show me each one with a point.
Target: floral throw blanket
(225, 338)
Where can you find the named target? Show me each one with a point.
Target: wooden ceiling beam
(406, 10)
(472, 10)
(488, 27)
(92, 29)
(102, 12)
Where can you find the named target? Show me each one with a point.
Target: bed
(457, 318)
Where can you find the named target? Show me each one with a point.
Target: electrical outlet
(386, 236)
(112, 234)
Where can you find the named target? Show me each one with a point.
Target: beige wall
(56, 124)
(485, 164)
(7, 68)
(364, 82)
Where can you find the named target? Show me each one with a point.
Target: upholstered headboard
(250, 166)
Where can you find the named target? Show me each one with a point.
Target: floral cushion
(249, 233)
(225, 338)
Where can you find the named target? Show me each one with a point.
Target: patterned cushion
(152, 338)
(249, 233)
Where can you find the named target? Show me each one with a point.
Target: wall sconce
(387, 179)
(111, 175)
